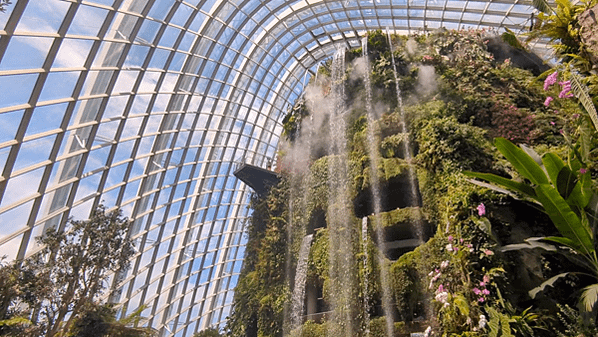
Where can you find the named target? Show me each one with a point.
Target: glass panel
(87, 21)
(46, 118)
(43, 16)
(59, 85)
(33, 152)
(182, 15)
(16, 89)
(36, 49)
(169, 37)
(9, 123)
(136, 56)
(22, 186)
(72, 53)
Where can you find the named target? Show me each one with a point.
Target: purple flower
(482, 284)
(481, 209)
(488, 252)
(550, 80)
(440, 289)
(583, 170)
(548, 100)
(565, 92)
(450, 238)
(486, 292)
(552, 123)
(481, 299)
(476, 291)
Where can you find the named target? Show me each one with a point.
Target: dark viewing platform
(259, 179)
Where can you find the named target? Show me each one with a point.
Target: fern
(582, 94)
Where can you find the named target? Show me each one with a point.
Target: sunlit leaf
(534, 292)
(523, 163)
(530, 243)
(512, 185)
(589, 297)
(565, 220)
(542, 6)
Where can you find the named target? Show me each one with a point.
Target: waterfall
(339, 215)
(366, 283)
(373, 152)
(298, 298)
(418, 227)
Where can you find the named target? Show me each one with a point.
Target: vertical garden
(499, 238)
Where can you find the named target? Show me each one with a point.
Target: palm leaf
(589, 297)
(523, 163)
(532, 293)
(565, 220)
(581, 93)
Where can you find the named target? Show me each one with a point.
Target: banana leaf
(522, 188)
(565, 220)
(553, 165)
(566, 182)
(523, 163)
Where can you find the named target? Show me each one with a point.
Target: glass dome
(150, 106)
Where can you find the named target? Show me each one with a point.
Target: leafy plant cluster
(56, 291)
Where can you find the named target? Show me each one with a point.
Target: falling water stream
(418, 226)
(297, 300)
(339, 215)
(366, 276)
(372, 148)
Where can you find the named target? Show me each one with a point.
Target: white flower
(482, 323)
(449, 247)
(442, 297)
(428, 332)
(444, 264)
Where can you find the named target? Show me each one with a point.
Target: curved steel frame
(147, 105)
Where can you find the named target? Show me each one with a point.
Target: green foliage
(312, 329)
(574, 323)
(498, 324)
(560, 25)
(400, 216)
(477, 99)
(445, 143)
(406, 284)
(4, 4)
(12, 291)
(210, 332)
(261, 292)
(564, 193)
(56, 286)
(100, 320)
(71, 268)
(378, 327)
(292, 121)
